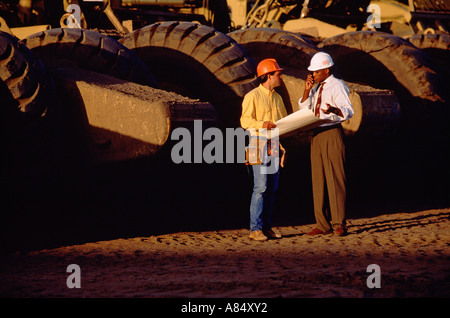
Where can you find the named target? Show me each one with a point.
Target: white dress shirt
(335, 93)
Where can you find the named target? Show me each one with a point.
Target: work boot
(316, 231)
(257, 236)
(271, 234)
(340, 231)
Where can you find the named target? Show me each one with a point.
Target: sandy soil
(412, 250)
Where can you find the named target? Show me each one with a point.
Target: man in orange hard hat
(328, 100)
(261, 108)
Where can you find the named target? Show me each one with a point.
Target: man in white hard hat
(328, 100)
(261, 108)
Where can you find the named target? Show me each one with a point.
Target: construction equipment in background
(111, 17)
(318, 18)
(322, 18)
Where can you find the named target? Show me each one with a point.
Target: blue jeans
(263, 198)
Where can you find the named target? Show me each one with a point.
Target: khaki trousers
(328, 177)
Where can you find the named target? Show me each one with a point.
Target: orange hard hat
(267, 66)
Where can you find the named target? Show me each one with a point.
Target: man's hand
(268, 125)
(333, 110)
(309, 82)
(308, 86)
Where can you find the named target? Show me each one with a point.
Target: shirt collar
(328, 79)
(265, 90)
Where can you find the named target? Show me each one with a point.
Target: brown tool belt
(261, 147)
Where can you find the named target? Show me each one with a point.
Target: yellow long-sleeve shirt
(260, 105)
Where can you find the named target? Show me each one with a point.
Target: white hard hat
(320, 61)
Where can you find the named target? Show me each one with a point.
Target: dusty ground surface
(412, 250)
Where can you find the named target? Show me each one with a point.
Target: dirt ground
(411, 249)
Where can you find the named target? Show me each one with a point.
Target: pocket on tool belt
(255, 152)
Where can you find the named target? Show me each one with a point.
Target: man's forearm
(305, 95)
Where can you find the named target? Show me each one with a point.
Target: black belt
(320, 129)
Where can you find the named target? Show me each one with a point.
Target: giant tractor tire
(386, 61)
(438, 41)
(197, 61)
(294, 53)
(89, 50)
(25, 88)
(289, 49)
(437, 46)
